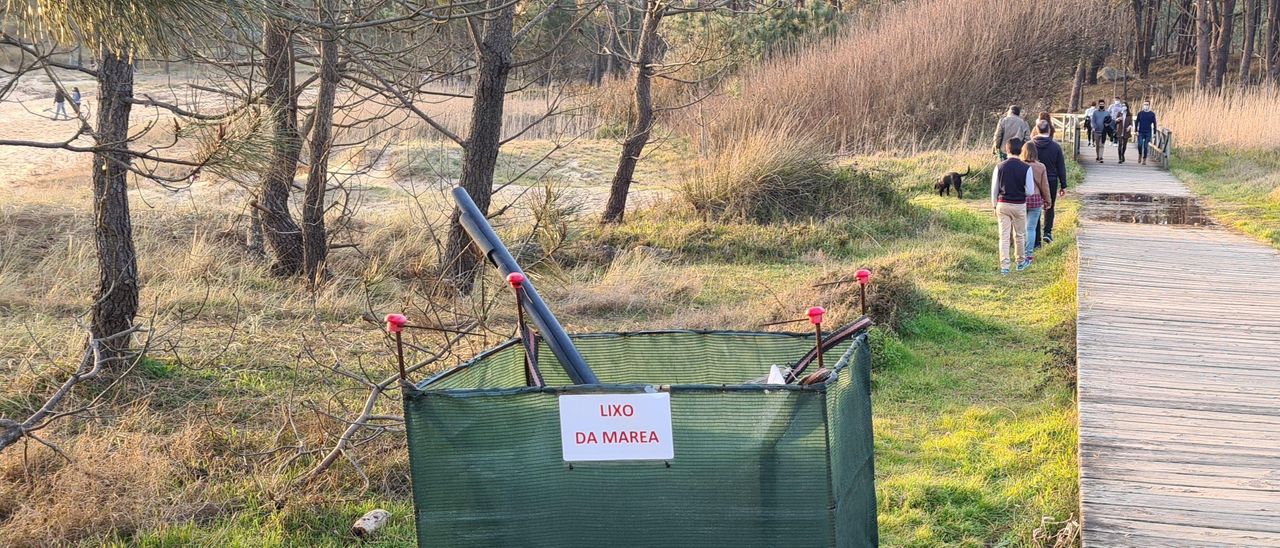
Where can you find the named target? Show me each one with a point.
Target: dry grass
(897, 83)
(778, 171)
(766, 173)
(636, 281)
(1239, 119)
(123, 477)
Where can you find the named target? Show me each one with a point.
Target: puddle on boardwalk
(1149, 209)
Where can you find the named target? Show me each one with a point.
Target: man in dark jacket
(59, 104)
(1056, 168)
(1146, 128)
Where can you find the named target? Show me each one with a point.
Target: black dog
(952, 180)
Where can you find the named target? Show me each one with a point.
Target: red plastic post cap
(395, 322)
(815, 314)
(516, 279)
(863, 275)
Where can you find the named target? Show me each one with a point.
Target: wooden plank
(1250, 422)
(1198, 475)
(1117, 531)
(1178, 362)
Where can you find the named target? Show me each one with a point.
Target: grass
(975, 426)
(1241, 187)
(974, 418)
(1234, 119)
(975, 422)
(858, 93)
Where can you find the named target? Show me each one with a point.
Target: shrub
(778, 173)
(893, 297)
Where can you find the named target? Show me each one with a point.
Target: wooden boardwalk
(1179, 376)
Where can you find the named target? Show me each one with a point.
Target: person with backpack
(75, 101)
(1146, 127)
(1009, 183)
(1012, 126)
(1055, 164)
(1101, 118)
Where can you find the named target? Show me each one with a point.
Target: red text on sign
(619, 436)
(611, 410)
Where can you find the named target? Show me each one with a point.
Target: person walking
(1037, 193)
(59, 103)
(1009, 183)
(1055, 164)
(1012, 126)
(75, 101)
(1146, 127)
(1100, 119)
(1088, 125)
(1046, 117)
(1124, 126)
(1116, 109)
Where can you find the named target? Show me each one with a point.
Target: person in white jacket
(1117, 111)
(1088, 125)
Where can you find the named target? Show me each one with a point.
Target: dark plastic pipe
(482, 234)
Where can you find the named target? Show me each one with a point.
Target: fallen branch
(90, 366)
(376, 390)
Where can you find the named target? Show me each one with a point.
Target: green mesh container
(753, 465)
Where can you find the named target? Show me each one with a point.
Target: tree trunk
(1273, 42)
(1143, 16)
(281, 231)
(1186, 27)
(315, 243)
(116, 301)
(1095, 65)
(480, 150)
(641, 124)
(1252, 17)
(1222, 48)
(1077, 87)
(1203, 29)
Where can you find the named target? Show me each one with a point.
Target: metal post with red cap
(532, 375)
(815, 318)
(395, 324)
(863, 275)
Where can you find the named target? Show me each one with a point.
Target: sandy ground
(29, 174)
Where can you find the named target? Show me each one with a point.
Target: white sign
(595, 427)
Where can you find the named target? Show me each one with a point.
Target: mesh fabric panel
(752, 467)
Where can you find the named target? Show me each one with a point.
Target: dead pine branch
(91, 365)
(367, 416)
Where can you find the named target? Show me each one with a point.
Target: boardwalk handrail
(1068, 125)
(1162, 143)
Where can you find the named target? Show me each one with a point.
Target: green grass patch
(974, 416)
(1241, 188)
(294, 525)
